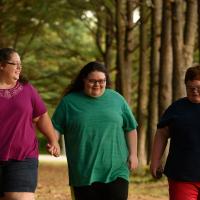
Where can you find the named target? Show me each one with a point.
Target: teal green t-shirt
(95, 130)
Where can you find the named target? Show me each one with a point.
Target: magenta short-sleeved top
(18, 107)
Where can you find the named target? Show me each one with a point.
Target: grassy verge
(142, 183)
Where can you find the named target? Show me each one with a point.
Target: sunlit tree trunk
(156, 14)
(190, 31)
(142, 84)
(124, 35)
(177, 44)
(165, 71)
(183, 38)
(129, 46)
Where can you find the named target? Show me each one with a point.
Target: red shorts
(179, 190)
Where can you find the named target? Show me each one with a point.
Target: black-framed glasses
(94, 82)
(15, 64)
(193, 88)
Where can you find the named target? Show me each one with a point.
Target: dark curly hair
(5, 55)
(78, 84)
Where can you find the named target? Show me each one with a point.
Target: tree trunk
(190, 31)
(177, 45)
(129, 46)
(99, 34)
(142, 85)
(154, 71)
(165, 72)
(109, 39)
(120, 45)
(124, 30)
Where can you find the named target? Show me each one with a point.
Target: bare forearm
(46, 128)
(132, 146)
(132, 142)
(57, 134)
(160, 142)
(159, 145)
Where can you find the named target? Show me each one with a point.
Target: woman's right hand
(156, 170)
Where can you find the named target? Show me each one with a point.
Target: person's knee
(18, 196)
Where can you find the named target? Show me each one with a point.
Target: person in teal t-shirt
(100, 136)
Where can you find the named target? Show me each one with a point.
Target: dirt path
(52, 185)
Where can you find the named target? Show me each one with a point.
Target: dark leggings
(1, 183)
(116, 190)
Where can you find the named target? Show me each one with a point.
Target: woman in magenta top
(21, 110)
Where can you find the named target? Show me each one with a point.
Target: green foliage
(58, 56)
(54, 41)
(42, 144)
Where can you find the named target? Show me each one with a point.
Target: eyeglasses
(94, 82)
(15, 64)
(193, 88)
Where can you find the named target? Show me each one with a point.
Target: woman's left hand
(132, 162)
(53, 149)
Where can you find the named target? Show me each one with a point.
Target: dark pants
(116, 190)
(1, 182)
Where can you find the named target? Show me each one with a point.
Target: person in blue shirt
(181, 124)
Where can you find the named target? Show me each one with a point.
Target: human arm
(57, 134)
(132, 147)
(44, 124)
(159, 145)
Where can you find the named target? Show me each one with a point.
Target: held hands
(53, 149)
(132, 162)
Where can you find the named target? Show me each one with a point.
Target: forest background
(146, 45)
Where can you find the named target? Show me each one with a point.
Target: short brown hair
(192, 73)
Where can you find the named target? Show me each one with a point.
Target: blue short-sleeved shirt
(183, 120)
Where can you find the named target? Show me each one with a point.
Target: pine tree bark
(190, 31)
(109, 39)
(165, 71)
(142, 85)
(183, 38)
(154, 71)
(129, 46)
(177, 46)
(120, 34)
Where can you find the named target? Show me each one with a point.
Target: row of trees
(146, 45)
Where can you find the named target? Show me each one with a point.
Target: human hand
(132, 162)
(156, 170)
(53, 149)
